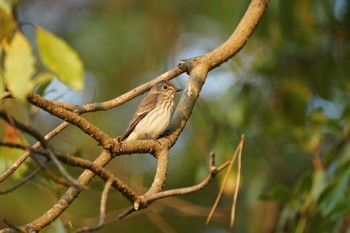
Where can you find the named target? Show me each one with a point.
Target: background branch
(27, 154)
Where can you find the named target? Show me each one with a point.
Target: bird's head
(164, 87)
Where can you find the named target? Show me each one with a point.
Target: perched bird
(153, 114)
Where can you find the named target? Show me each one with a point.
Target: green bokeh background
(287, 91)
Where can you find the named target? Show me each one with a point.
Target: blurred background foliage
(287, 91)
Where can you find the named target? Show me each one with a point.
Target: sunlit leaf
(319, 180)
(60, 59)
(42, 81)
(43, 78)
(19, 67)
(334, 193)
(7, 23)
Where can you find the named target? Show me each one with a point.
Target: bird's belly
(152, 125)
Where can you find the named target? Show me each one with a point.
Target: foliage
(19, 64)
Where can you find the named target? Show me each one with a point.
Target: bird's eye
(165, 87)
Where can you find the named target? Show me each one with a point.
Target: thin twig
(51, 174)
(27, 154)
(42, 140)
(139, 90)
(32, 132)
(22, 182)
(126, 212)
(180, 191)
(187, 190)
(238, 179)
(102, 209)
(237, 151)
(40, 163)
(63, 171)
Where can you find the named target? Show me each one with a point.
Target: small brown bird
(153, 114)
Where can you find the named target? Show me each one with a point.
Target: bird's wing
(146, 106)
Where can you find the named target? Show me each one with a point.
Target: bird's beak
(178, 90)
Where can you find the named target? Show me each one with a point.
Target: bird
(153, 115)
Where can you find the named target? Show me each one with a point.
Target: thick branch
(73, 118)
(200, 66)
(239, 37)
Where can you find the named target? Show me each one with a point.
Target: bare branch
(200, 66)
(237, 152)
(22, 182)
(148, 199)
(12, 121)
(63, 171)
(106, 105)
(73, 118)
(42, 141)
(102, 209)
(238, 179)
(50, 174)
(40, 164)
(191, 189)
(161, 172)
(26, 155)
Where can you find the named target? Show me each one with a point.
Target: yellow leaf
(60, 59)
(19, 67)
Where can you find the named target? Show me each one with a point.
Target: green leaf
(333, 194)
(319, 182)
(60, 59)
(19, 67)
(42, 80)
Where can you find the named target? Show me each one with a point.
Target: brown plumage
(153, 114)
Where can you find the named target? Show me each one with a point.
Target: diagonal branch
(27, 154)
(12, 121)
(73, 118)
(22, 182)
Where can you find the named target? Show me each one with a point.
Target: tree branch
(27, 154)
(198, 69)
(103, 203)
(150, 197)
(73, 118)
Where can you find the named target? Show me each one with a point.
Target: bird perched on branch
(153, 114)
